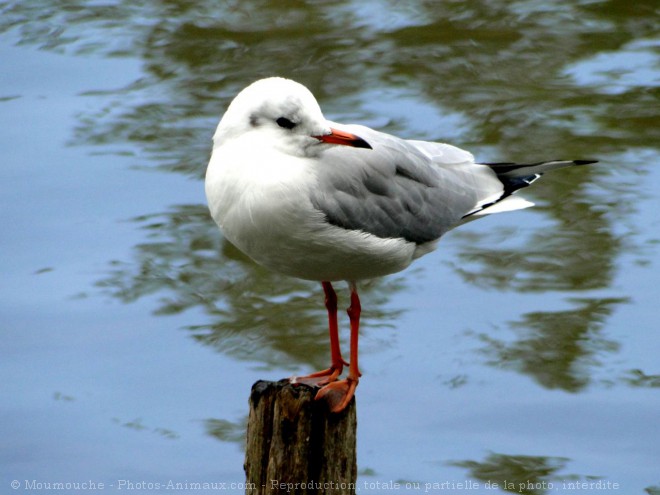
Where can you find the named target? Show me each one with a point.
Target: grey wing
(400, 189)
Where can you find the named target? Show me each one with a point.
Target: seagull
(328, 202)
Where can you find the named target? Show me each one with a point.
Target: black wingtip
(361, 143)
(584, 162)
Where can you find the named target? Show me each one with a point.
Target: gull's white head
(283, 112)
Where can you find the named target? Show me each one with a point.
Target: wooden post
(295, 445)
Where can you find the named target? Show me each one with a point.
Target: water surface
(524, 350)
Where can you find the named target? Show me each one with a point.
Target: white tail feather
(511, 203)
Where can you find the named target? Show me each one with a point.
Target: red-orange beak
(345, 138)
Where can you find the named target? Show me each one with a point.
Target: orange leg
(337, 362)
(338, 394)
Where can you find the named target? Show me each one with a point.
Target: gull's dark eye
(286, 123)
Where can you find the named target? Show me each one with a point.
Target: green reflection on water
(227, 431)
(526, 474)
(557, 348)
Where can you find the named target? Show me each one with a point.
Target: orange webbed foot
(338, 394)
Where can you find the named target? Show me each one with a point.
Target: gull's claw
(320, 378)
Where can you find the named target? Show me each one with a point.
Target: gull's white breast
(260, 198)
